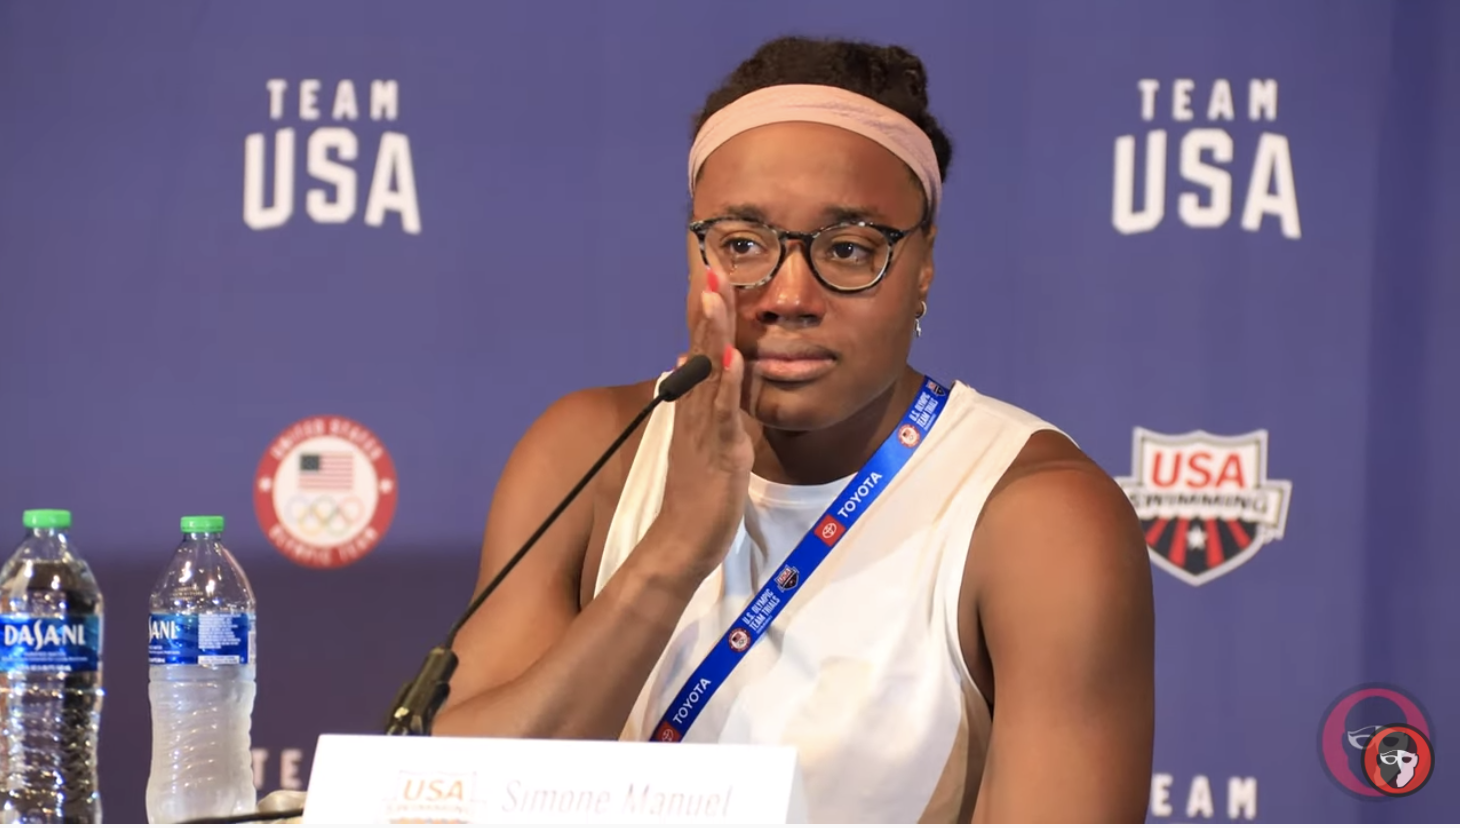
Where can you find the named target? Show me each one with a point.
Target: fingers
(720, 346)
(699, 341)
(727, 394)
(708, 417)
(698, 288)
(715, 305)
(711, 326)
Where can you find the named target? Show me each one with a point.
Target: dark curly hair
(890, 75)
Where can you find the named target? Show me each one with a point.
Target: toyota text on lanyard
(848, 507)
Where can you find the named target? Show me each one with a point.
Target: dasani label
(208, 640)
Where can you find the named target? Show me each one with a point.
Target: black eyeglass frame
(891, 234)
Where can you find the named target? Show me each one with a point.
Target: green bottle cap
(47, 519)
(203, 523)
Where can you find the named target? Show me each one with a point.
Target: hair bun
(909, 70)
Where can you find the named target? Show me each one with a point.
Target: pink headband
(822, 105)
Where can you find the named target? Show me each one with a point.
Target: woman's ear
(925, 273)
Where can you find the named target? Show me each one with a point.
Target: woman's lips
(790, 363)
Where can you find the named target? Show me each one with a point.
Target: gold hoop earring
(918, 319)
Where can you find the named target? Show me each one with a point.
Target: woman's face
(814, 356)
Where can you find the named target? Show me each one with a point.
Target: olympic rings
(322, 515)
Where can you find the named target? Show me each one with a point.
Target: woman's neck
(808, 458)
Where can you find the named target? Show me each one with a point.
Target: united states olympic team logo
(1375, 742)
(325, 492)
(739, 640)
(1205, 500)
(908, 435)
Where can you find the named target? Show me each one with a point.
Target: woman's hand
(710, 453)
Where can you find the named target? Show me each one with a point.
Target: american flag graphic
(327, 472)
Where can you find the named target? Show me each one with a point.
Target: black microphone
(415, 706)
(414, 710)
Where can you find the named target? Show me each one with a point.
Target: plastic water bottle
(201, 655)
(50, 677)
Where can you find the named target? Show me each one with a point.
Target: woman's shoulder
(590, 413)
(575, 428)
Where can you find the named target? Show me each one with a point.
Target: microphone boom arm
(415, 707)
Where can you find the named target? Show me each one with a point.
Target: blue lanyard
(846, 509)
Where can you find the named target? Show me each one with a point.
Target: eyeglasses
(847, 257)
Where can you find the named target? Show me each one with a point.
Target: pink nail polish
(728, 357)
(712, 282)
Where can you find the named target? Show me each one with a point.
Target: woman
(978, 646)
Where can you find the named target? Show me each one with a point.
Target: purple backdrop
(502, 221)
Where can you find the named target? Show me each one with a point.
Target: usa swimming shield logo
(1205, 500)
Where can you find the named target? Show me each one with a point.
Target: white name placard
(359, 780)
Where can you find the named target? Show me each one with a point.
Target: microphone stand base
(414, 711)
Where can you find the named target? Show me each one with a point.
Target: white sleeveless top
(862, 672)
